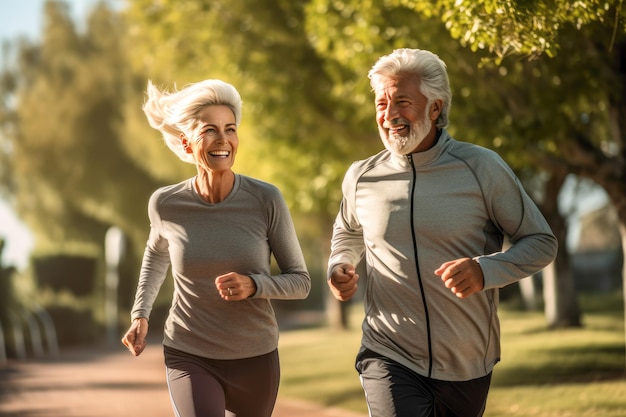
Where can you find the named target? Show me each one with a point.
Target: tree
(332, 45)
(593, 33)
(262, 48)
(65, 145)
(514, 27)
(66, 164)
(534, 112)
(294, 133)
(597, 137)
(301, 66)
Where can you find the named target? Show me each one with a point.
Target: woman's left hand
(234, 286)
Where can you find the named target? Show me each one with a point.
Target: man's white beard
(403, 145)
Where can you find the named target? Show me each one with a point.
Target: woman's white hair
(430, 69)
(173, 113)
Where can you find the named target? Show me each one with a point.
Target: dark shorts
(202, 387)
(393, 390)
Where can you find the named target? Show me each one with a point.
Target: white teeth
(219, 153)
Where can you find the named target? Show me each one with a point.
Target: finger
(444, 267)
(230, 293)
(349, 271)
(345, 279)
(349, 293)
(466, 287)
(343, 293)
(141, 331)
(463, 293)
(139, 348)
(343, 286)
(139, 344)
(127, 343)
(225, 280)
(450, 282)
(129, 339)
(132, 346)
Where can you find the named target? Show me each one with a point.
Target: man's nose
(391, 112)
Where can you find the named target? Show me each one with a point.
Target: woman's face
(214, 142)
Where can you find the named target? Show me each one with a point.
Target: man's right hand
(343, 282)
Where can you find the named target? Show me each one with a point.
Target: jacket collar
(425, 157)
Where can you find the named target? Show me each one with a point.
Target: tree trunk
(622, 229)
(338, 313)
(561, 304)
(529, 293)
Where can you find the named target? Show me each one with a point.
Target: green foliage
(565, 113)
(301, 67)
(527, 27)
(293, 133)
(65, 147)
(78, 155)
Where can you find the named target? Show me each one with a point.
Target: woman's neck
(214, 187)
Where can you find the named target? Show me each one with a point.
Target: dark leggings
(201, 387)
(393, 390)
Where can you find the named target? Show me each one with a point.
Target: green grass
(544, 373)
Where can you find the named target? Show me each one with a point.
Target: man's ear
(435, 109)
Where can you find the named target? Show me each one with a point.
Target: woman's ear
(185, 143)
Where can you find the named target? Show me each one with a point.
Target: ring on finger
(230, 291)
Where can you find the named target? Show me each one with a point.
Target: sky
(22, 18)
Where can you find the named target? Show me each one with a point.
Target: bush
(66, 272)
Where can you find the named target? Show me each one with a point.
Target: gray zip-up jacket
(202, 241)
(408, 215)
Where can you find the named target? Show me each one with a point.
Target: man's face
(403, 115)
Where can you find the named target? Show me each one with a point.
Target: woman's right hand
(135, 337)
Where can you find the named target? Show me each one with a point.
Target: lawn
(557, 373)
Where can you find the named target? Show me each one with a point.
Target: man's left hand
(463, 277)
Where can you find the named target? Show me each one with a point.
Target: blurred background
(543, 84)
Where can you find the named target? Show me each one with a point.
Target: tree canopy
(301, 69)
(64, 100)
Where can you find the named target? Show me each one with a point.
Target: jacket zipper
(417, 267)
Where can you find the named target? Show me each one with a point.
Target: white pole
(114, 250)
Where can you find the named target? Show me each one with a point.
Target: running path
(105, 384)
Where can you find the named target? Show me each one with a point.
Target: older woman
(218, 231)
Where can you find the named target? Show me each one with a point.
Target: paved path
(105, 384)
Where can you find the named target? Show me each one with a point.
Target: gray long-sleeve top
(408, 215)
(202, 241)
